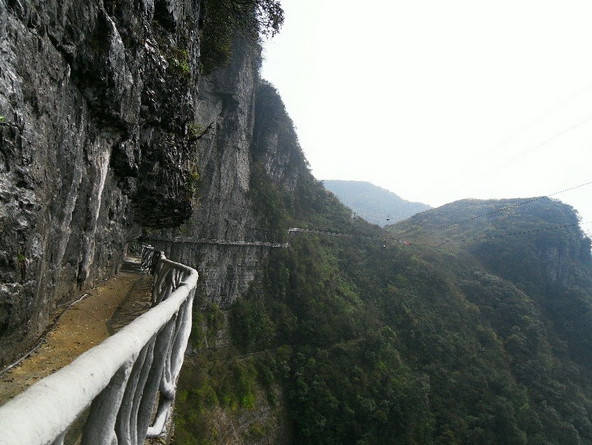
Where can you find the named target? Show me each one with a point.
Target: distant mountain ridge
(375, 204)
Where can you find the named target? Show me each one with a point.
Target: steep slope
(479, 358)
(374, 204)
(465, 333)
(533, 288)
(356, 337)
(96, 99)
(338, 339)
(535, 243)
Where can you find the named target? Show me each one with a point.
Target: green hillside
(445, 329)
(374, 204)
(535, 243)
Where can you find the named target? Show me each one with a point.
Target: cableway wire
(547, 141)
(553, 137)
(529, 201)
(400, 236)
(504, 208)
(559, 104)
(550, 227)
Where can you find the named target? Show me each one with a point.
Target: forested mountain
(374, 204)
(465, 324)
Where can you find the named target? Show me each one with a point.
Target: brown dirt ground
(106, 309)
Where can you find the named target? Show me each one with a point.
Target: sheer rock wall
(96, 99)
(238, 131)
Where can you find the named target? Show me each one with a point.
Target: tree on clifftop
(224, 19)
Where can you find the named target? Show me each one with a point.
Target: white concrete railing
(128, 381)
(149, 258)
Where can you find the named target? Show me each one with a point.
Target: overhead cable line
(547, 141)
(529, 201)
(504, 208)
(384, 237)
(559, 104)
(551, 227)
(543, 115)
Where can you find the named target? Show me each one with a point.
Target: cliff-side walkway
(104, 310)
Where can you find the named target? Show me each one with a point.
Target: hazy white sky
(439, 101)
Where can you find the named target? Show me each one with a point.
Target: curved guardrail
(128, 381)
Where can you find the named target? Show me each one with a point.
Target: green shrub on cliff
(223, 20)
(179, 62)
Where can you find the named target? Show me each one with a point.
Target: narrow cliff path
(106, 309)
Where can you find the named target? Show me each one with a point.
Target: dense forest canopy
(447, 329)
(465, 324)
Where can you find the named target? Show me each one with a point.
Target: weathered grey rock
(95, 105)
(238, 130)
(107, 128)
(223, 209)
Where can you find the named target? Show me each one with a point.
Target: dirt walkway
(106, 309)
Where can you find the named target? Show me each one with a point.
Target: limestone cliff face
(242, 139)
(275, 143)
(109, 132)
(96, 99)
(221, 210)
(247, 147)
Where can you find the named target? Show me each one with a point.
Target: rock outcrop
(222, 209)
(246, 136)
(112, 134)
(97, 102)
